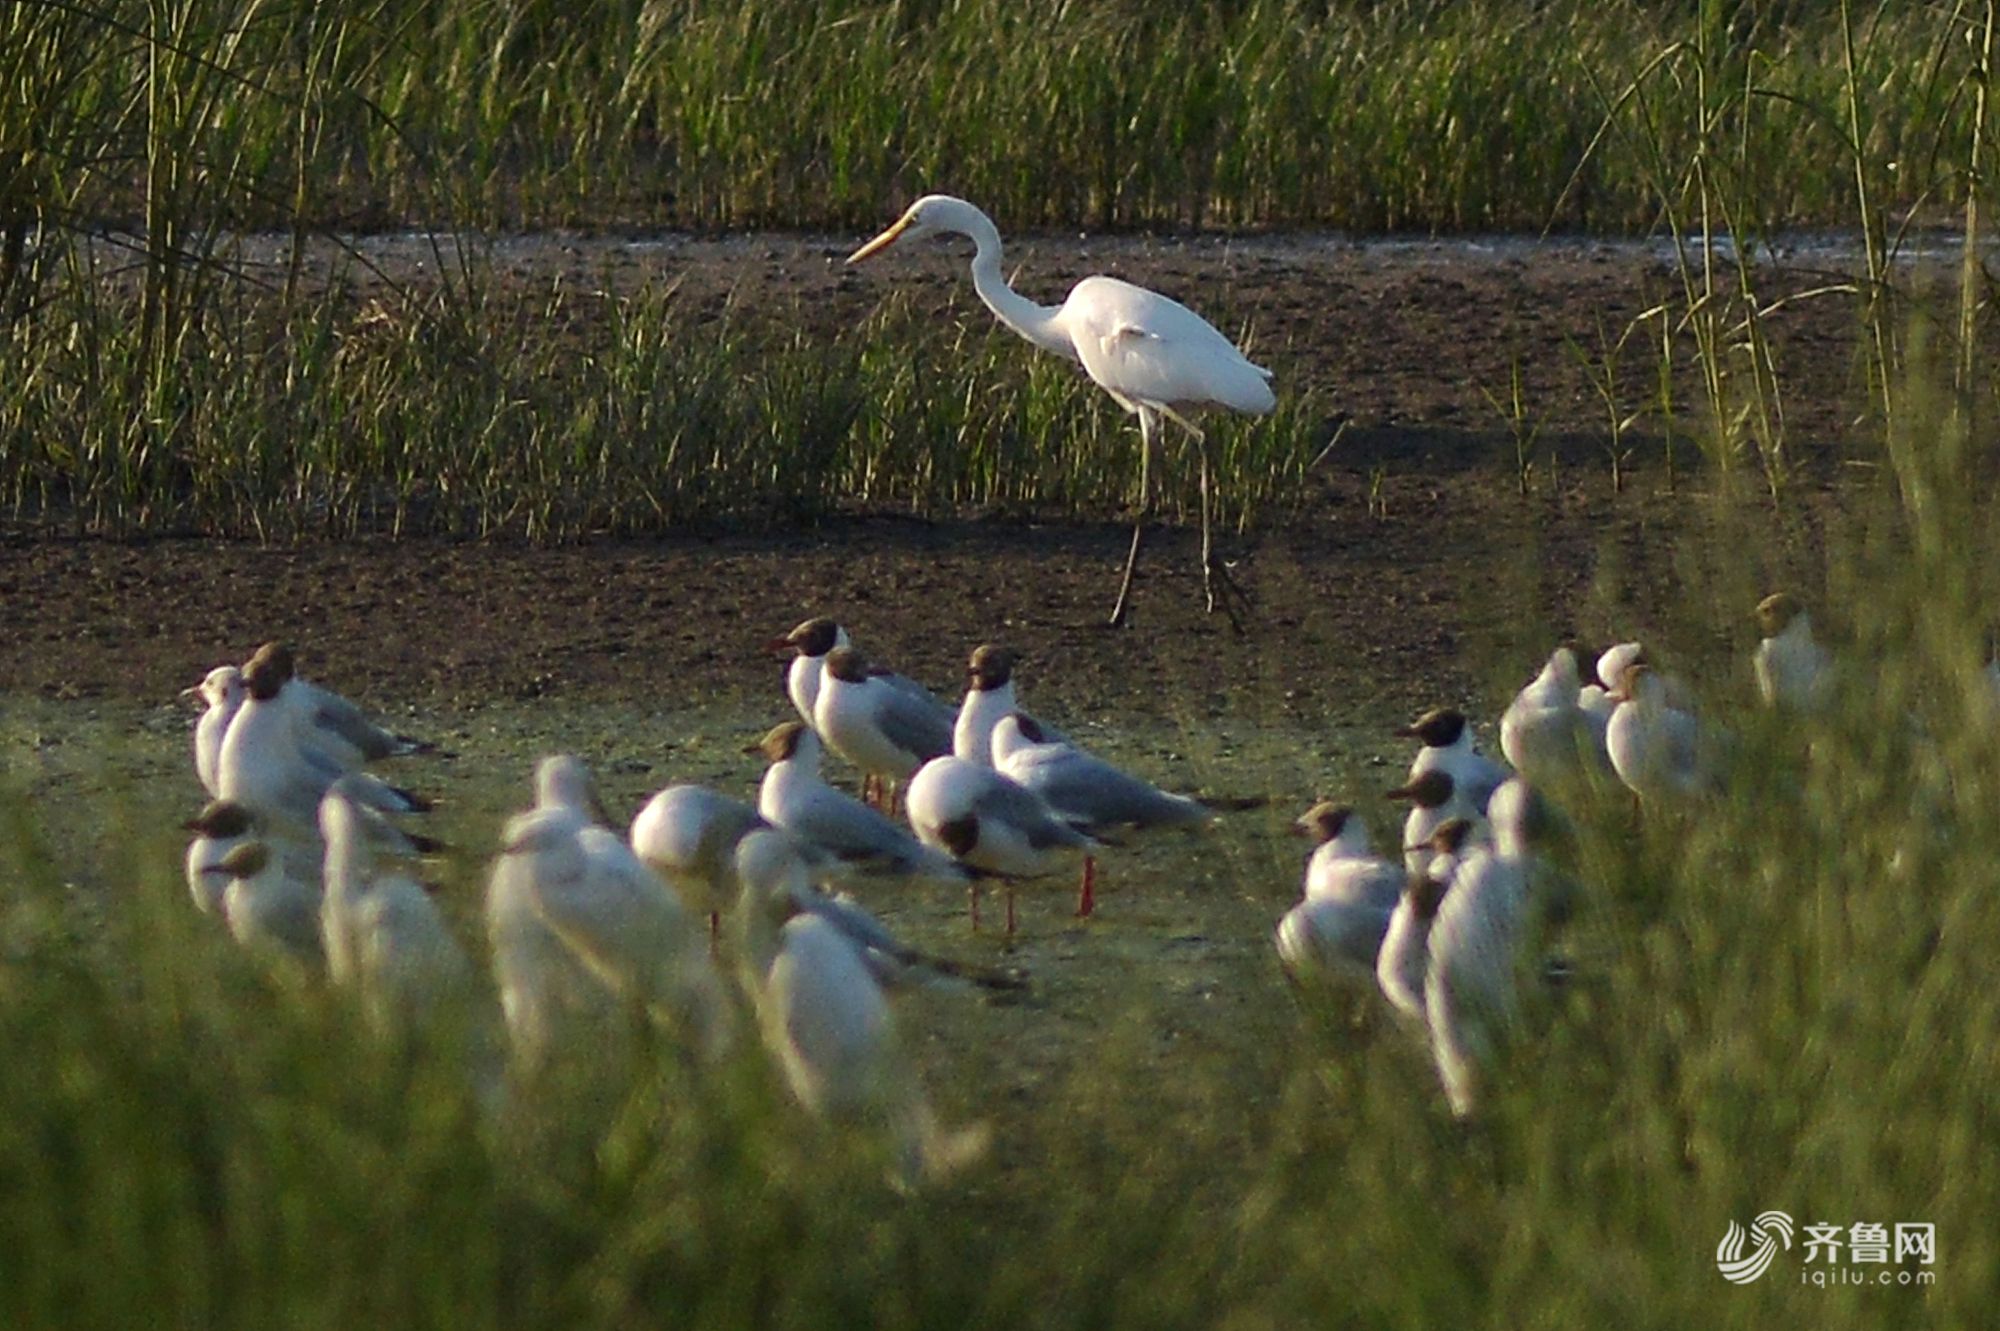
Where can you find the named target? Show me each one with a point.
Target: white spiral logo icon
(1772, 1231)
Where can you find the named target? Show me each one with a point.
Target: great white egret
(1155, 357)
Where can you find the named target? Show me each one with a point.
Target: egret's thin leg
(1145, 511)
(1211, 571)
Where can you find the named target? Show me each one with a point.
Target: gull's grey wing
(917, 723)
(1091, 792)
(858, 835)
(1007, 802)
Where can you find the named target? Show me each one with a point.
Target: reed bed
(1409, 114)
(146, 385)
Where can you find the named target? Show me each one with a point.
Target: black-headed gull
(809, 643)
(989, 696)
(614, 915)
(991, 824)
(1435, 799)
(1478, 945)
(220, 827)
(1336, 930)
(223, 690)
(271, 911)
(795, 797)
(1655, 747)
(276, 767)
(826, 1022)
(1085, 791)
(384, 938)
(1545, 732)
(1793, 671)
(687, 834)
(1448, 747)
(884, 729)
(332, 723)
(1404, 960)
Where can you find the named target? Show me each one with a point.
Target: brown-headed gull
(1446, 737)
(795, 797)
(1794, 672)
(992, 825)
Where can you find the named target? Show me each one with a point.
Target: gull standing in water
(1156, 358)
(886, 731)
(1446, 737)
(992, 825)
(826, 1022)
(1336, 930)
(795, 798)
(989, 696)
(1793, 671)
(1086, 792)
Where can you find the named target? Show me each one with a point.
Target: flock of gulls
(304, 854)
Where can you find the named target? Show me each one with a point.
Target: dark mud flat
(1458, 587)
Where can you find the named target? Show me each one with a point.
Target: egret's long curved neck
(1040, 324)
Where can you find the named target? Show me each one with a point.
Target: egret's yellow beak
(883, 241)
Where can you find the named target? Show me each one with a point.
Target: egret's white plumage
(1155, 357)
(826, 1021)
